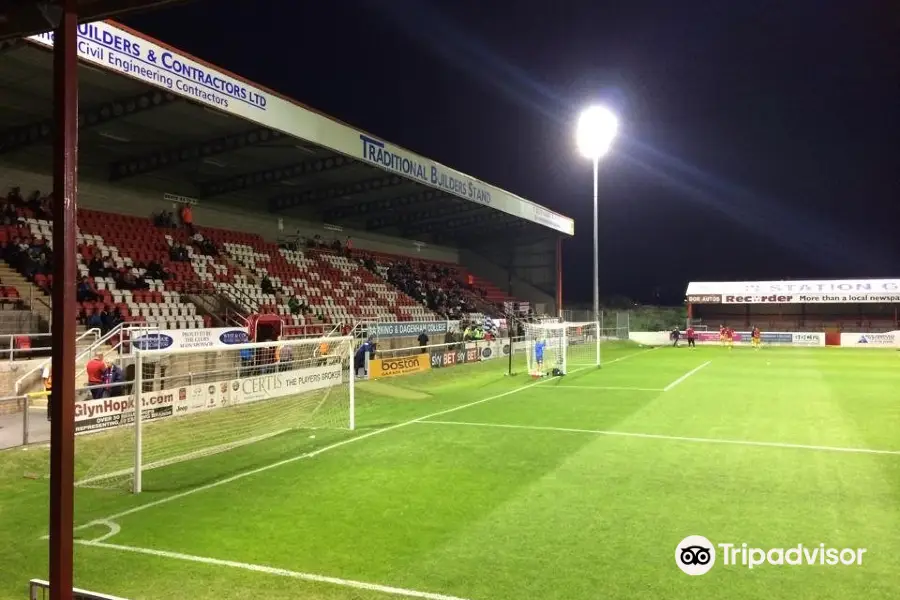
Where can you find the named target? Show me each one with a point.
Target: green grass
(558, 506)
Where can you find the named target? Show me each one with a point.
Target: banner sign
(185, 339)
(837, 291)
(408, 328)
(390, 367)
(471, 352)
(264, 387)
(106, 413)
(115, 48)
(772, 338)
(871, 340)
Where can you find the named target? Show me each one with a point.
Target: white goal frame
(562, 328)
(140, 355)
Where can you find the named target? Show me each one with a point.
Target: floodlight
(597, 127)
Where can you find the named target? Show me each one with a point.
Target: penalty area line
(685, 376)
(670, 438)
(349, 583)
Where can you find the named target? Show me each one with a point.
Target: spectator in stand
(155, 271)
(423, 339)
(8, 214)
(266, 285)
(187, 218)
(95, 267)
(164, 219)
(86, 291)
(295, 306)
(348, 246)
(95, 368)
(105, 321)
(112, 375)
(178, 253)
(94, 321)
(336, 246)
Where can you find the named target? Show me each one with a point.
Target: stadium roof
(157, 119)
(20, 18)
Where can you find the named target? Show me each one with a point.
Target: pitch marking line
(360, 585)
(214, 484)
(671, 438)
(608, 387)
(685, 376)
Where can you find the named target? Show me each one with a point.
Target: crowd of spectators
(435, 286)
(29, 257)
(317, 242)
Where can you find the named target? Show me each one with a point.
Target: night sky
(760, 139)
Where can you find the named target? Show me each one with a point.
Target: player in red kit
(729, 337)
(722, 331)
(755, 335)
(691, 335)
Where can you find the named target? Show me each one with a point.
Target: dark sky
(760, 139)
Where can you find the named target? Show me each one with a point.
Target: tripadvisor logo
(696, 555)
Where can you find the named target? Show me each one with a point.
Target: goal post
(561, 347)
(186, 404)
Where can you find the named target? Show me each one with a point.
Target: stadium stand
(134, 270)
(247, 185)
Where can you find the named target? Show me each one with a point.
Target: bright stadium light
(597, 127)
(596, 130)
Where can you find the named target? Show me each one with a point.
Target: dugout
(837, 308)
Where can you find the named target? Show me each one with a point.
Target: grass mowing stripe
(685, 376)
(360, 585)
(673, 438)
(293, 459)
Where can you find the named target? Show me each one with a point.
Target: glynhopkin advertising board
(106, 413)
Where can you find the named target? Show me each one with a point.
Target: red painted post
(65, 192)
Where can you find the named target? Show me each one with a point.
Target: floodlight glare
(597, 127)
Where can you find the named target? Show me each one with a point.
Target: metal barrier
(22, 422)
(17, 388)
(8, 343)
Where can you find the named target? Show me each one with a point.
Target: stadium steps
(212, 305)
(40, 301)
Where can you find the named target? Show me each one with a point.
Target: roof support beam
(493, 228)
(331, 192)
(169, 157)
(470, 218)
(412, 221)
(384, 207)
(41, 131)
(274, 175)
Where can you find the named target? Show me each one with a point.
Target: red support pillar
(559, 304)
(690, 314)
(62, 410)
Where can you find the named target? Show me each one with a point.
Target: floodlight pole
(62, 370)
(596, 245)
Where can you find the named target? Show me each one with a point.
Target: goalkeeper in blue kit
(539, 355)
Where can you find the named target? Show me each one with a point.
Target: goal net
(561, 346)
(199, 402)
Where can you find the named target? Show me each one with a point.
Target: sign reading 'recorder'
(835, 291)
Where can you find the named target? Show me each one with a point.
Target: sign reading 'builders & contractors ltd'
(389, 367)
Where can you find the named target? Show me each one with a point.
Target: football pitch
(466, 483)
